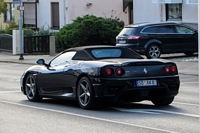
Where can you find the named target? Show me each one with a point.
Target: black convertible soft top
(85, 52)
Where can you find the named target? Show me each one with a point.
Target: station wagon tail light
(133, 37)
(109, 71)
(119, 71)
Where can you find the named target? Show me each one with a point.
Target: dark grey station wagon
(154, 39)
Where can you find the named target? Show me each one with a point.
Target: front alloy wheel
(153, 51)
(85, 94)
(31, 89)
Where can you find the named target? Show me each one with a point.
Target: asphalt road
(18, 115)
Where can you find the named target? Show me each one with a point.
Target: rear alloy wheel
(85, 94)
(153, 51)
(31, 89)
(163, 101)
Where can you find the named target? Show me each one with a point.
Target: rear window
(105, 53)
(118, 52)
(150, 30)
(127, 31)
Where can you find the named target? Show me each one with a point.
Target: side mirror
(41, 62)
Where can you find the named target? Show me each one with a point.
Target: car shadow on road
(176, 56)
(106, 106)
(52, 101)
(141, 105)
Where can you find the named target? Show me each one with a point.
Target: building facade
(166, 10)
(57, 13)
(12, 15)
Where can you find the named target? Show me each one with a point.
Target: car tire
(85, 94)
(189, 53)
(153, 51)
(31, 89)
(163, 101)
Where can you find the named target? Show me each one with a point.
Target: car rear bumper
(126, 90)
(134, 47)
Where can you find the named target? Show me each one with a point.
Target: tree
(3, 7)
(88, 30)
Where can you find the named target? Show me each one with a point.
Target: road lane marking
(90, 117)
(4, 92)
(189, 83)
(190, 104)
(152, 111)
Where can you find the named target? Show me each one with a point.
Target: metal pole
(199, 49)
(20, 32)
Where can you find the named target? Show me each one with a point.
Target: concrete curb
(18, 62)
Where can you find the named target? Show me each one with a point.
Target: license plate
(146, 83)
(122, 41)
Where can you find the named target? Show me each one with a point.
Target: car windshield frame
(62, 59)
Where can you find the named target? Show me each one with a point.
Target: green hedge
(88, 30)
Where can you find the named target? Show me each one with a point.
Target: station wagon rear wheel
(31, 89)
(153, 51)
(163, 101)
(85, 94)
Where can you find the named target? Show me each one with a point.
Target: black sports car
(93, 74)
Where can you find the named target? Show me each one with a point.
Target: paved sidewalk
(184, 66)
(28, 59)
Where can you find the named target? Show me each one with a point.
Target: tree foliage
(88, 30)
(9, 28)
(3, 7)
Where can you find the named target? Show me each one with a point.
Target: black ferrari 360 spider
(94, 74)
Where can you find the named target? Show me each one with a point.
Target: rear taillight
(170, 69)
(173, 69)
(167, 70)
(109, 71)
(119, 71)
(133, 37)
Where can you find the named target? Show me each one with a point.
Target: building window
(9, 16)
(29, 15)
(174, 12)
(55, 19)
